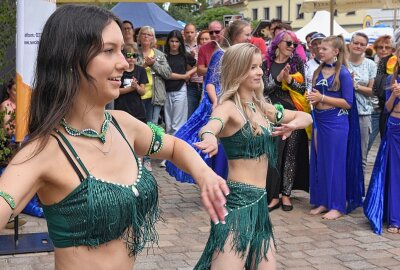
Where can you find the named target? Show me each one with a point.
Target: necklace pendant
(252, 106)
(135, 191)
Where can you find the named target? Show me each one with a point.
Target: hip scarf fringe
(249, 224)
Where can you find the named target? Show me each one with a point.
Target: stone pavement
(304, 241)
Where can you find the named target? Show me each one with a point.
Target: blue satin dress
(336, 177)
(382, 203)
(189, 131)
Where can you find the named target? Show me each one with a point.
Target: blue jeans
(375, 129)
(152, 111)
(194, 91)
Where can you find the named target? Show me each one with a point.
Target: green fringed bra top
(245, 145)
(98, 211)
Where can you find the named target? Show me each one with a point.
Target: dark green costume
(248, 221)
(98, 211)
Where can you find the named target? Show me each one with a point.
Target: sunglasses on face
(290, 43)
(216, 32)
(384, 47)
(131, 55)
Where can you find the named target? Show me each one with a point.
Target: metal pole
(332, 10)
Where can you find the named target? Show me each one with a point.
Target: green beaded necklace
(88, 132)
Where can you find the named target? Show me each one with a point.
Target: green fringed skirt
(247, 224)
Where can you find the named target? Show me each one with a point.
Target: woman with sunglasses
(284, 69)
(133, 83)
(382, 203)
(364, 72)
(384, 47)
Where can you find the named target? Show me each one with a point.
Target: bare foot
(332, 215)
(318, 210)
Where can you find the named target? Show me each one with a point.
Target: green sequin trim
(279, 113)
(157, 139)
(7, 197)
(88, 132)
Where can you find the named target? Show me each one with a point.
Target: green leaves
(8, 14)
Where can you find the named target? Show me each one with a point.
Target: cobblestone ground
(304, 241)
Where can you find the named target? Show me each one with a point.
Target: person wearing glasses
(128, 32)
(364, 73)
(384, 47)
(133, 84)
(206, 51)
(284, 70)
(157, 70)
(382, 203)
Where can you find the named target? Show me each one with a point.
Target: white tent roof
(320, 23)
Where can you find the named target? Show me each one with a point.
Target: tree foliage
(8, 13)
(215, 14)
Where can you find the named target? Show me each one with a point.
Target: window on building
(279, 12)
(300, 15)
(255, 14)
(351, 13)
(266, 13)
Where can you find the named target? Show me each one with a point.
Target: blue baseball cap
(317, 36)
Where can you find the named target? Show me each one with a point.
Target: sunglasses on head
(214, 32)
(131, 55)
(290, 43)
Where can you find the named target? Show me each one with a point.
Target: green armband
(220, 120)
(205, 132)
(279, 113)
(7, 197)
(156, 140)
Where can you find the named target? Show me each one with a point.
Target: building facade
(290, 10)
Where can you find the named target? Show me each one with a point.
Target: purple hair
(270, 57)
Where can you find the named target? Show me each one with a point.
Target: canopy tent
(141, 14)
(372, 32)
(320, 24)
(346, 6)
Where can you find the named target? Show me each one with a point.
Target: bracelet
(206, 132)
(7, 197)
(322, 99)
(220, 120)
(279, 113)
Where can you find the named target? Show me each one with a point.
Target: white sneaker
(162, 164)
(147, 165)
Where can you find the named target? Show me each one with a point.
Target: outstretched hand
(209, 145)
(284, 130)
(213, 190)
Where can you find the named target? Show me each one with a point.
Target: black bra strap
(76, 169)
(114, 121)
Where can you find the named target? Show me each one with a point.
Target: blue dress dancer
(189, 131)
(335, 164)
(382, 202)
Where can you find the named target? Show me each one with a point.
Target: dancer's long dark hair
(71, 38)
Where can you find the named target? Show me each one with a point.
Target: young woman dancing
(245, 124)
(100, 203)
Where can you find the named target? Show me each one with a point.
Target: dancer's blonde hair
(235, 67)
